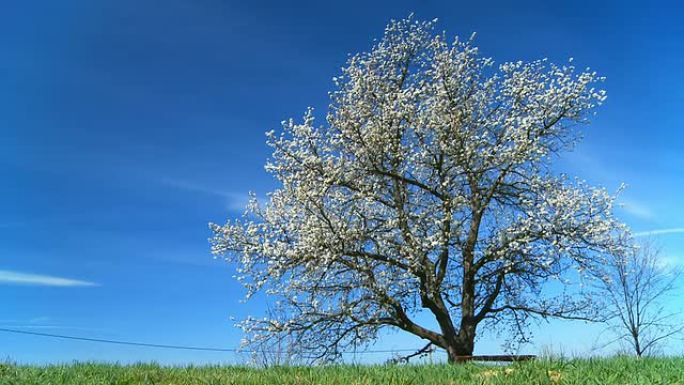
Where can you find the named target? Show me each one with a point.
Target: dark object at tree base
(500, 358)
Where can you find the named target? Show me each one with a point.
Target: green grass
(614, 371)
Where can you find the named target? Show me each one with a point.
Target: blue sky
(126, 126)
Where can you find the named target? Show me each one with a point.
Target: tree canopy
(427, 189)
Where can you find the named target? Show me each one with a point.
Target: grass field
(614, 371)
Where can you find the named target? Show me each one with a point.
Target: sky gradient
(127, 126)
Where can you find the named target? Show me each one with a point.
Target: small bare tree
(637, 285)
(280, 350)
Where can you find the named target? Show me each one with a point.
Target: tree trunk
(462, 345)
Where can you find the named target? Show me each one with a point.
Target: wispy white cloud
(195, 187)
(9, 277)
(33, 323)
(238, 202)
(672, 230)
(234, 201)
(45, 323)
(670, 262)
(30, 321)
(636, 209)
